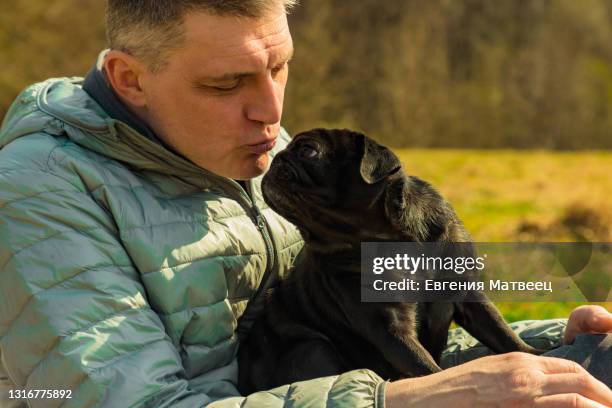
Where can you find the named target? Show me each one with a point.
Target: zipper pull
(260, 222)
(258, 218)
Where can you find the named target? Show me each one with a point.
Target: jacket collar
(97, 86)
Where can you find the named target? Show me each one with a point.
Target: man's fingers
(567, 401)
(587, 319)
(583, 384)
(567, 381)
(601, 321)
(554, 365)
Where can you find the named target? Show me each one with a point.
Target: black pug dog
(341, 188)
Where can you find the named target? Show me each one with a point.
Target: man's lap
(592, 351)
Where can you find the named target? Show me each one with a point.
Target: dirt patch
(578, 222)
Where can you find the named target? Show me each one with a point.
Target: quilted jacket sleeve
(355, 389)
(74, 314)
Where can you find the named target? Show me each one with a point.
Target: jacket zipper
(269, 276)
(261, 223)
(248, 201)
(246, 196)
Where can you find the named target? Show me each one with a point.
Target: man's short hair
(150, 29)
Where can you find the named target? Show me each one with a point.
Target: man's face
(219, 100)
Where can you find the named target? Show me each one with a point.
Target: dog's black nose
(283, 171)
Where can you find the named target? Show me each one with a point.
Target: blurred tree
(41, 39)
(457, 73)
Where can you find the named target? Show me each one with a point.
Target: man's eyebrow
(237, 75)
(289, 56)
(225, 77)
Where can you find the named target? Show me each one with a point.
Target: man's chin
(255, 167)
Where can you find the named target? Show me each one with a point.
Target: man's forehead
(218, 48)
(230, 36)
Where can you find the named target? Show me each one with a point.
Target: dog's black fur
(341, 188)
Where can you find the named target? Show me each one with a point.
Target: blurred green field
(518, 196)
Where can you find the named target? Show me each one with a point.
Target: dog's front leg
(401, 350)
(483, 321)
(409, 357)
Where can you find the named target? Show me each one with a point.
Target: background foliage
(457, 73)
(523, 196)
(443, 73)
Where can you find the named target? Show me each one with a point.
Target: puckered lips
(262, 146)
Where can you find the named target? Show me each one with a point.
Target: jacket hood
(60, 106)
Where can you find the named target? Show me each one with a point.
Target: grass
(512, 196)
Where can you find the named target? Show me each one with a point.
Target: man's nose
(266, 104)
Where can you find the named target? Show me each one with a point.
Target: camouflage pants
(592, 351)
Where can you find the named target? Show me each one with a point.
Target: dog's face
(340, 186)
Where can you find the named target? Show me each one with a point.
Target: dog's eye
(307, 152)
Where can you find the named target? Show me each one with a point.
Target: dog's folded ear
(377, 162)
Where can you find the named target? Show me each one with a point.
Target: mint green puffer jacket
(124, 268)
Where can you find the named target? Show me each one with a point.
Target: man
(133, 230)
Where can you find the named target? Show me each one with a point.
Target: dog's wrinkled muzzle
(281, 170)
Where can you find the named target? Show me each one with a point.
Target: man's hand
(506, 380)
(587, 319)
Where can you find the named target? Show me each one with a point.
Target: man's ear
(124, 72)
(377, 162)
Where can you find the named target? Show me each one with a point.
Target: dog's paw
(532, 350)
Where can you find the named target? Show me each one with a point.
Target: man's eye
(228, 87)
(220, 87)
(278, 69)
(307, 152)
